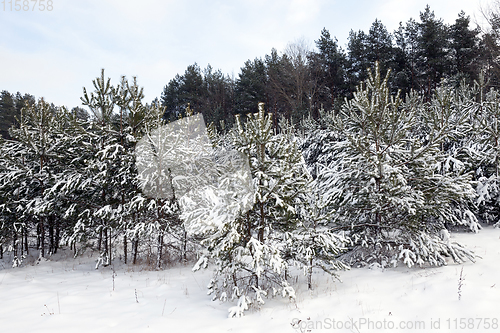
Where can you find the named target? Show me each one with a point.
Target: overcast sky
(53, 54)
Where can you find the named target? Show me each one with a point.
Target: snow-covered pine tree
(139, 120)
(132, 123)
(312, 244)
(99, 180)
(33, 160)
(71, 186)
(450, 113)
(108, 181)
(488, 151)
(111, 204)
(67, 152)
(253, 252)
(386, 186)
(174, 160)
(12, 174)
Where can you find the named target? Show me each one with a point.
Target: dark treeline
(11, 106)
(300, 81)
(10, 110)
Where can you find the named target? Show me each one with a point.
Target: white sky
(54, 54)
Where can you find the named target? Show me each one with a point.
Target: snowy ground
(69, 295)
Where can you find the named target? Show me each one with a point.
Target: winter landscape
(353, 189)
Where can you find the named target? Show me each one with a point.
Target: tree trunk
(42, 238)
(136, 245)
(261, 223)
(57, 237)
(105, 252)
(26, 245)
(184, 247)
(51, 234)
(160, 250)
(125, 248)
(99, 240)
(14, 242)
(249, 227)
(261, 204)
(22, 242)
(309, 274)
(110, 251)
(38, 236)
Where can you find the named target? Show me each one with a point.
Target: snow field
(66, 294)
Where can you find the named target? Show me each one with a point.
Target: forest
(310, 159)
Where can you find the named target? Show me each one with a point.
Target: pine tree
(98, 180)
(465, 48)
(254, 251)
(488, 164)
(32, 165)
(172, 159)
(433, 46)
(251, 86)
(132, 123)
(328, 67)
(407, 41)
(385, 183)
(451, 112)
(218, 102)
(7, 113)
(12, 175)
